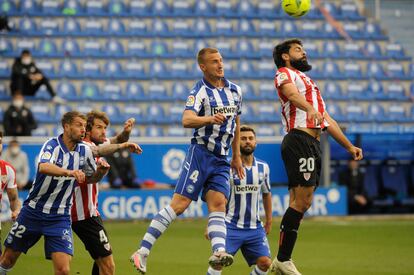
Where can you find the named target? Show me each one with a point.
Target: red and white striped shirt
(8, 178)
(293, 117)
(85, 197)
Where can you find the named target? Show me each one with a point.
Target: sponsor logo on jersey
(224, 110)
(190, 101)
(246, 189)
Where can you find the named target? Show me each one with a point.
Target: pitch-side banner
(144, 204)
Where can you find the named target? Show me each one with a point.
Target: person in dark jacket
(18, 120)
(27, 78)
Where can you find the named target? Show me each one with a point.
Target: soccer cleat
(220, 258)
(283, 268)
(139, 261)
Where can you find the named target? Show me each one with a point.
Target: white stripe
(149, 238)
(217, 240)
(66, 196)
(232, 202)
(230, 98)
(157, 225)
(186, 176)
(216, 228)
(255, 197)
(79, 204)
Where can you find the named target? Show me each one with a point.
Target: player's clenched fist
(78, 175)
(315, 117)
(132, 147)
(217, 119)
(103, 166)
(129, 124)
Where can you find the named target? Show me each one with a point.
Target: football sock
(157, 226)
(3, 271)
(256, 271)
(216, 230)
(95, 269)
(288, 233)
(212, 271)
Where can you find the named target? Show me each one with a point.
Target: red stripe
(320, 103)
(73, 213)
(85, 200)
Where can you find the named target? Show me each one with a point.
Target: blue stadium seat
(134, 111)
(246, 28)
(181, 48)
(363, 128)
(224, 8)
(267, 9)
(42, 113)
(182, 8)
(114, 48)
(176, 131)
(4, 92)
(137, 48)
(136, 132)
(202, 28)
(92, 47)
(396, 91)
(394, 180)
(245, 49)
(179, 91)
(28, 7)
(331, 70)
(226, 48)
(24, 44)
(160, 28)
(331, 8)
(139, 8)
(134, 92)
(265, 48)
(375, 70)
(112, 91)
(397, 112)
(268, 113)
(357, 90)
(332, 90)
(353, 70)
(335, 111)
(179, 69)
(373, 31)
(113, 69)
(266, 69)
(331, 49)
(175, 113)
(412, 90)
(47, 48)
(60, 110)
(353, 29)
(46, 67)
(389, 129)
(41, 131)
(265, 131)
(224, 27)
(181, 27)
(157, 91)
(376, 113)
(372, 185)
(245, 69)
(349, 10)
(8, 7)
(248, 114)
(5, 70)
(50, 7)
(395, 50)
(411, 70)
(116, 8)
(27, 26)
(267, 28)
(157, 69)
(355, 113)
(154, 131)
(6, 47)
(93, 27)
(115, 27)
(396, 71)
(352, 50)
(113, 113)
(246, 8)
(155, 113)
(311, 30)
(71, 26)
(311, 48)
(90, 68)
(67, 90)
(329, 31)
(72, 6)
(68, 68)
(203, 8)
(248, 91)
(95, 7)
(138, 27)
(159, 48)
(200, 44)
(288, 29)
(84, 108)
(230, 71)
(373, 50)
(268, 91)
(89, 91)
(135, 70)
(161, 7)
(376, 90)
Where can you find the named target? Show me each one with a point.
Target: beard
(246, 150)
(301, 65)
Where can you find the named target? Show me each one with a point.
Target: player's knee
(302, 205)
(62, 270)
(264, 263)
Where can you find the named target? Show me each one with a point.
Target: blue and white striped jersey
(52, 195)
(245, 195)
(207, 100)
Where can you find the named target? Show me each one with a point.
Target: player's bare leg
(106, 265)
(8, 260)
(61, 263)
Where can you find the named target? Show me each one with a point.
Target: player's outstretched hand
(237, 166)
(217, 119)
(78, 175)
(129, 124)
(356, 153)
(132, 147)
(315, 117)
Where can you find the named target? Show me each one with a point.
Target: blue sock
(157, 226)
(217, 231)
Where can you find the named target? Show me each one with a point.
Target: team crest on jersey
(282, 77)
(46, 156)
(211, 99)
(190, 101)
(107, 246)
(306, 176)
(3, 178)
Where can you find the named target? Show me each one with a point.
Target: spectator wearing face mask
(27, 78)
(18, 120)
(14, 154)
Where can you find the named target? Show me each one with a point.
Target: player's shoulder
(88, 142)
(200, 86)
(260, 161)
(51, 143)
(233, 86)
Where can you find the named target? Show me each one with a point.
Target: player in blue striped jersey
(64, 161)
(212, 110)
(245, 230)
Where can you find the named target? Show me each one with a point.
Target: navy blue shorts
(253, 243)
(203, 171)
(30, 227)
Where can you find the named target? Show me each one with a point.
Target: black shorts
(94, 237)
(301, 154)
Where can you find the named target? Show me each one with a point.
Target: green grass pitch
(357, 247)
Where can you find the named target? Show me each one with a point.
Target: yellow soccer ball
(296, 8)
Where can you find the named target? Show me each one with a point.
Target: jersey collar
(209, 85)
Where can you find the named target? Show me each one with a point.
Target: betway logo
(246, 189)
(225, 110)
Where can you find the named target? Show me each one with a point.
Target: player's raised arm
(109, 149)
(192, 120)
(124, 135)
(335, 131)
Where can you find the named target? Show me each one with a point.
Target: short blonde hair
(204, 51)
(68, 117)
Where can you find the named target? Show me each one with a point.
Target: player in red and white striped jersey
(304, 117)
(86, 221)
(8, 183)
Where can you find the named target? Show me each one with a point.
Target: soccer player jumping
(212, 109)
(304, 117)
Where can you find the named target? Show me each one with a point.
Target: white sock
(212, 271)
(256, 271)
(217, 231)
(3, 271)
